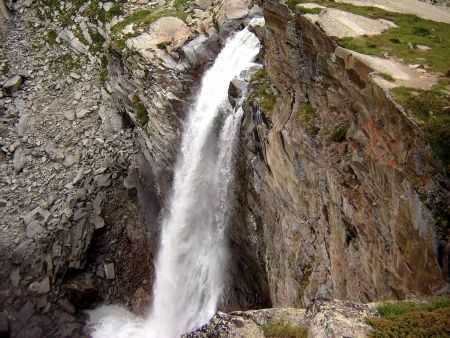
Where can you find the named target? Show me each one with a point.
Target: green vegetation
(284, 329)
(386, 76)
(259, 75)
(103, 71)
(66, 62)
(402, 41)
(5, 68)
(97, 41)
(304, 281)
(338, 132)
(429, 108)
(164, 44)
(263, 93)
(141, 112)
(409, 319)
(305, 115)
(181, 4)
(50, 37)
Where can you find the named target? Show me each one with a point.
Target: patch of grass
(284, 329)
(103, 71)
(409, 319)
(181, 4)
(307, 271)
(260, 74)
(6, 68)
(411, 31)
(50, 37)
(262, 94)
(305, 116)
(386, 76)
(97, 40)
(164, 44)
(94, 12)
(338, 132)
(141, 112)
(66, 62)
(429, 108)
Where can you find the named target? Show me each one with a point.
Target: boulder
(41, 287)
(19, 159)
(203, 4)
(13, 84)
(110, 271)
(232, 9)
(164, 30)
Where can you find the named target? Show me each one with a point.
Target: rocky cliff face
(327, 172)
(338, 194)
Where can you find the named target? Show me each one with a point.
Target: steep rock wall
(327, 176)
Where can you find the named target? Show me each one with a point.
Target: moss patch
(103, 73)
(66, 62)
(141, 112)
(305, 116)
(284, 329)
(262, 95)
(97, 41)
(339, 131)
(386, 76)
(408, 319)
(50, 37)
(5, 68)
(429, 108)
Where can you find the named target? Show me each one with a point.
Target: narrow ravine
(190, 270)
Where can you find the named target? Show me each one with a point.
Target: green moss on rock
(141, 112)
(305, 116)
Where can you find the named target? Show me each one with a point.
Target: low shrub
(284, 329)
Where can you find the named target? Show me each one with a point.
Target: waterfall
(193, 251)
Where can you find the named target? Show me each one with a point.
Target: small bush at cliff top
(409, 319)
(284, 329)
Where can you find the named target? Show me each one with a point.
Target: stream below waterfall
(193, 253)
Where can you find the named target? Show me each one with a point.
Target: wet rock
(66, 305)
(41, 287)
(14, 277)
(12, 84)
(4, 326)
(26, 312)
(98, 221)
(110, 271)
(236, 90)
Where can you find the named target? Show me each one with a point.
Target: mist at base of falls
(193, 253)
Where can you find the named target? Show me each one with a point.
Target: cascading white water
(193, 252)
